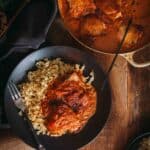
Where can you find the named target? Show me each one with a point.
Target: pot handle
(130, 58)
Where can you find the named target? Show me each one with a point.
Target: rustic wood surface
(130, 111)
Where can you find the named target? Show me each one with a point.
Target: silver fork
(17, 99)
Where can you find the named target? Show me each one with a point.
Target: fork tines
(14, 92)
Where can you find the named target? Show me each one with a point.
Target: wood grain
(8, 141)
(130, 111)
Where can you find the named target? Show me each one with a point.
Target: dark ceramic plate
(134, 145)
(95, 124)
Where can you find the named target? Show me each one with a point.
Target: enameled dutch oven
(129, 56)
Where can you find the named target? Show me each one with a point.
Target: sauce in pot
(101, 24)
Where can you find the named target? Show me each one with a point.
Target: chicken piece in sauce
(93, 26)
(126, 7)
(110, 9)
(133, 36)
(63, 120)
(80, 8)
(69, 105)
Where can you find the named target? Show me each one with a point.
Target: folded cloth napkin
(28, 32)
(30, 28)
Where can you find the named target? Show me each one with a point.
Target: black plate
(94, 125)
(134, 145)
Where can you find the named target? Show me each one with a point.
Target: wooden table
(130, 111)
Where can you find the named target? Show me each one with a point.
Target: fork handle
(36, 139)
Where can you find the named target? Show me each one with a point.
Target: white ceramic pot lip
(108, 53)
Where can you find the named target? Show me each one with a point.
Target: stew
(100, 24)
